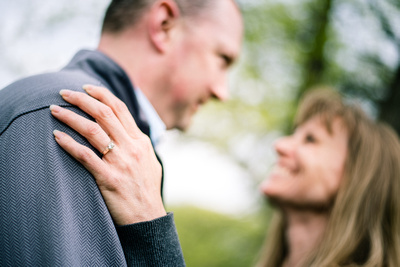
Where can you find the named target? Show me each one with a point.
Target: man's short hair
(123, 13)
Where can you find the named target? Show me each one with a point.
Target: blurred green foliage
(212, 239)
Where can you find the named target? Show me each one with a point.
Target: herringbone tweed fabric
(51, 211)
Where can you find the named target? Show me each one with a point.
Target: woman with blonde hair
(335, 188)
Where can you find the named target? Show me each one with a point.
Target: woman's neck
(303, 233)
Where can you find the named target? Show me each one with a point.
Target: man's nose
(220, 90)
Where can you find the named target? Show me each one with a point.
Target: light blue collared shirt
(157, 126)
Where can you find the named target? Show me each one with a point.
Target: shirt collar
(157, 126)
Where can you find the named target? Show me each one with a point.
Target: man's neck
(303, 233)
(131, 53)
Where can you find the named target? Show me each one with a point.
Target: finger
(82, 154)
(87, 128)
(103, 114)
(120, 109)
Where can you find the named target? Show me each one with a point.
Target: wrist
(142, 214)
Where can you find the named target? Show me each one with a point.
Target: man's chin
(183, 125)
(184, 122)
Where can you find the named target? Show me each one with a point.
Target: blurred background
(213, 170)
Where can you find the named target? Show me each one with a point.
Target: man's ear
(163, 17)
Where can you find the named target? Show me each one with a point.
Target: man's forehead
(226, 21)
(232, 29)
(222, 26)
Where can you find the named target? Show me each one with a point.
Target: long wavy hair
(364, 221)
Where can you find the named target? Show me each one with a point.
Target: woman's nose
(284, 146)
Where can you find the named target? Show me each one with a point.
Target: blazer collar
(113, 77)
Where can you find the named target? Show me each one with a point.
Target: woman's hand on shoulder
(128, 174)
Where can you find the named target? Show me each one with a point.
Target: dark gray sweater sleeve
(52, 213)
(153, 243)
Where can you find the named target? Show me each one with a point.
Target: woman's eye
(310, 138)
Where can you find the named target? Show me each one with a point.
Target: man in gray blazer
(163, 59)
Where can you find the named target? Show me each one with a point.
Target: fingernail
(57, 134)
(86, 87)
(55, 108)
(65, 92)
